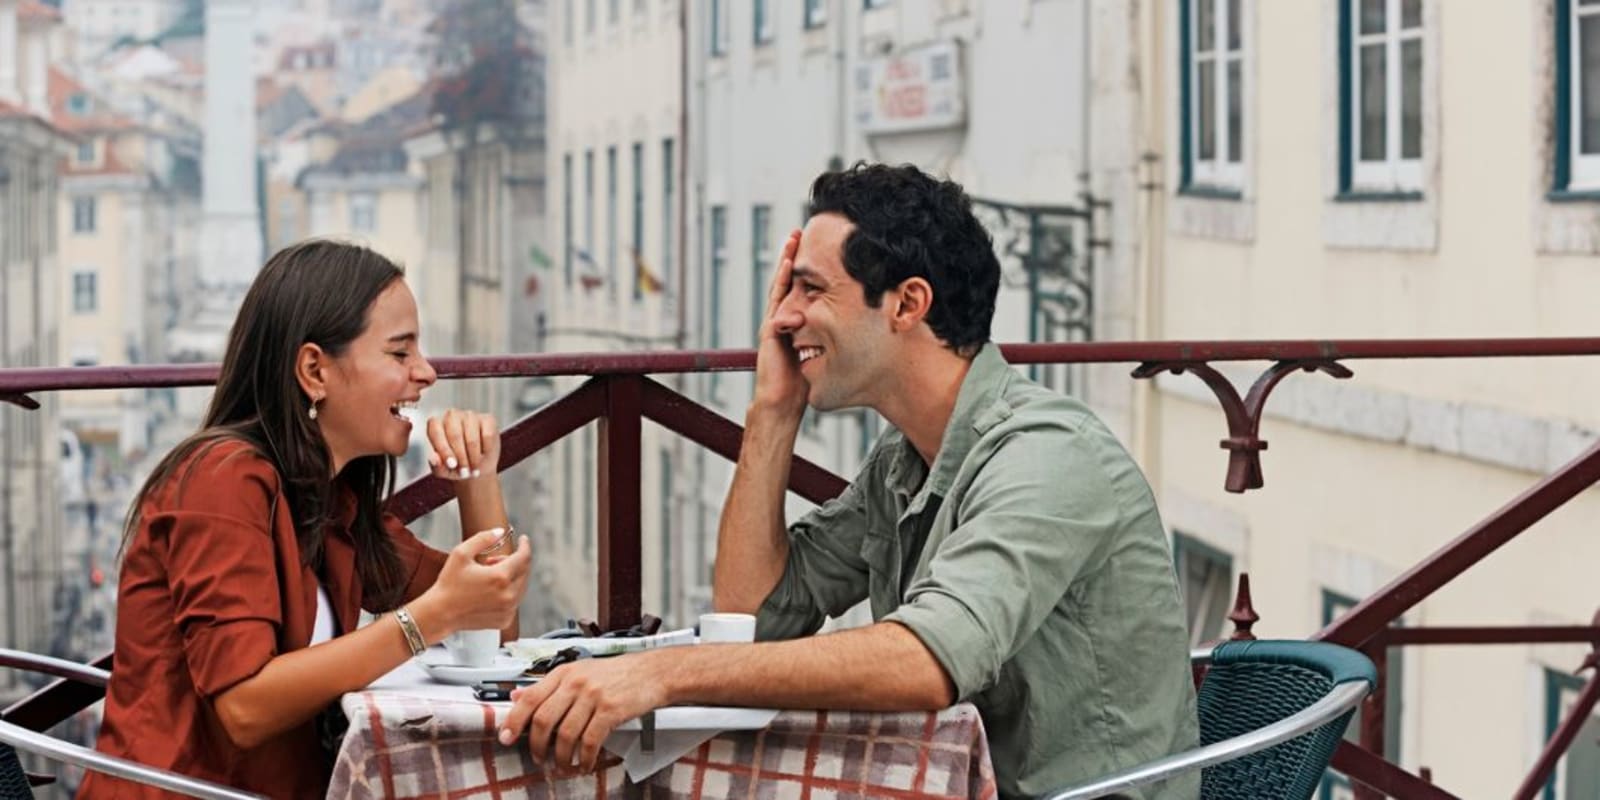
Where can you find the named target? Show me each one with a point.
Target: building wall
(30, 511)
(776, 111)
(611, 87)
(1366, 477)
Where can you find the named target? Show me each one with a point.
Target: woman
(254, 545)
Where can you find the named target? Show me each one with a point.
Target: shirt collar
(977, 409)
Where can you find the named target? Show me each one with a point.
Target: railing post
(1372, 713)
(620, 459)
(1243, 616)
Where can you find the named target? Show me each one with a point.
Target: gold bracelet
(413, 634)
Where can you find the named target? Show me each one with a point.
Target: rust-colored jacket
(212, 588)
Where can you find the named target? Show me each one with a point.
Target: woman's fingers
(446, 457)
(464, 444)
(472, 437)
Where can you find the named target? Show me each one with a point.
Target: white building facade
(988, 94)
(1374, 170)
(616, 279)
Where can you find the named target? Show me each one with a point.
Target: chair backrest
(1251, 684)
(15, 737)
(13, 781)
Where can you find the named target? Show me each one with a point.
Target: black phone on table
(499, 690)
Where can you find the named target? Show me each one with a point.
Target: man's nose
(790, 317)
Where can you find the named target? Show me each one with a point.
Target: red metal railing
(620, 396)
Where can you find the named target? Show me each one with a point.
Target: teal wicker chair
(1271, 715)
(15, 738)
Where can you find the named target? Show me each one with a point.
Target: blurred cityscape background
(604, 175)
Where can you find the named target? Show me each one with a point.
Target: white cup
(722, 627)
(474, 648)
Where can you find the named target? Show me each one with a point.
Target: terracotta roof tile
(35, 10)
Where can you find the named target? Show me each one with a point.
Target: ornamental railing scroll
(1048, 251)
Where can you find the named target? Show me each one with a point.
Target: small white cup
(474, 648)
(724, 627)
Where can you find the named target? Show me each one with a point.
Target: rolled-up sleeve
(1037, 516)
(222, 568)
(824, 575)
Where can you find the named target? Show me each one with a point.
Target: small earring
(312, 413)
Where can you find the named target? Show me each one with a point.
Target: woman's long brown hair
(319, 292)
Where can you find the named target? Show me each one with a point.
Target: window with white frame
(609, 268)
(719, 27)
(1205, 578)
(718, 236)
(816, 13)
(1382, 70)
(566, 216)
(1577, 99)
(85, 155)
(637, 251)
(83, 214)
(1214, 75)
(764, 27)
(85, 292)
(669, 531)
(587, 254)
(1577, 774)
(668, 196)
(760, 268)
(363, 212)
(1336, 786)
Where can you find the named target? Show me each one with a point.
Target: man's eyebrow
(803, 271)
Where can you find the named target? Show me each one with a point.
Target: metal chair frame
(1340, 700)
(24, 740)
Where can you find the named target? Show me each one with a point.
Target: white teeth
(404, 410)
(808, 353)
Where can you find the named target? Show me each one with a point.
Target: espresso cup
(725, 627)
(473, 648)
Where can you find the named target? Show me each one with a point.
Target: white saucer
(438, 667)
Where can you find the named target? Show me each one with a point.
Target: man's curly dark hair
(911, 225)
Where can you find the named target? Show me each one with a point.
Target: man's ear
(910, 303)
(310, 371)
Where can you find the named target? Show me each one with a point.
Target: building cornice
(314, 181)
(125, 181)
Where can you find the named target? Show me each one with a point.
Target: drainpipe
(1150, 176)
(841, 86)
(6, 474)
(680, 243)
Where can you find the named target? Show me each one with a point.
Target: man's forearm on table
(882, 667)
(752, 543)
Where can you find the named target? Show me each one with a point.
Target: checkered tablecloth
(401, 746)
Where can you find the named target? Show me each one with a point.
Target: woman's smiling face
(379, 373)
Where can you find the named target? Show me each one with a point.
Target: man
(1009, 547)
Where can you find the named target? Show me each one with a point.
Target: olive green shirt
(1031, 562)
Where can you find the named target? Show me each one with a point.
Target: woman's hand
(465, 444)
(469, 595)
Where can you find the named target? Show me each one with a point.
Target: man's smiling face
(843, 344)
